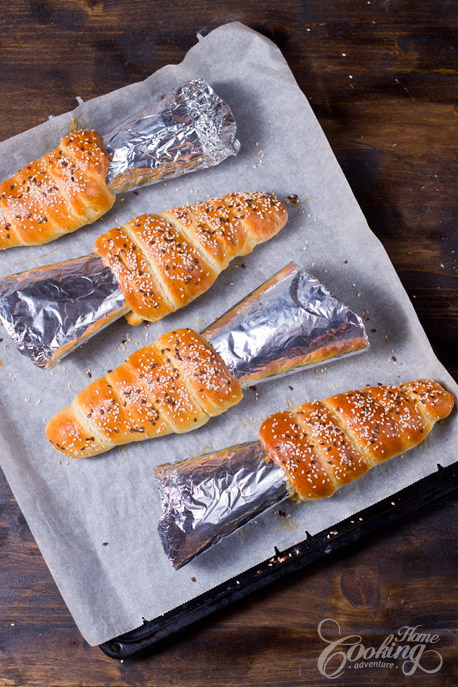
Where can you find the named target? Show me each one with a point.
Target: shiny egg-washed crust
(56, 194)
(323, 445)
(163, 262)
(173, 385)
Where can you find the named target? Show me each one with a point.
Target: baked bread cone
(62, 191)
(173, 385)
(323, 445)
(163, 262)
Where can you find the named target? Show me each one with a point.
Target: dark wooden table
(382, 80)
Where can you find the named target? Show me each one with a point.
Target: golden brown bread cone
(56, 194)
(163, 262)
(323, 445)
(173, 385)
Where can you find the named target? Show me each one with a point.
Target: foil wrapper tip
(51, 310)
(291, 321)
(187, 129)
(204, 499)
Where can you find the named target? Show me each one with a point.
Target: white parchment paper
(95, 520)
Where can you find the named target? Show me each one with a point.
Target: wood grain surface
(381, 77)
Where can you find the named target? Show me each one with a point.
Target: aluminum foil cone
(206, 498)
(290, 322)
(187, 129)
(49, 311)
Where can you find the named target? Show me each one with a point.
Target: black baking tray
(311, 549)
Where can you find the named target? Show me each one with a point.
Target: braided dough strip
(173, 385)
(163, 262)
(56, 194)
(323, 445)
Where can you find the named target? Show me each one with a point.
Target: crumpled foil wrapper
(206, 498)
(291, 321)
(49, 311)
(187, 129)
